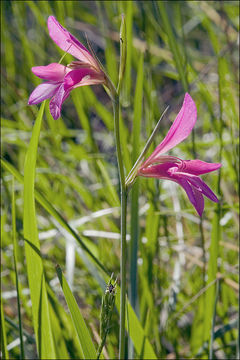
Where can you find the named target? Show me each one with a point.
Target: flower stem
(123, 230)
(101, 346)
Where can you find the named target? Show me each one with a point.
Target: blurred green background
(173, 47)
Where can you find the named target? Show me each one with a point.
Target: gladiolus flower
(60, 79)
(184, 172)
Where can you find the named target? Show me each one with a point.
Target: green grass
(66, 187)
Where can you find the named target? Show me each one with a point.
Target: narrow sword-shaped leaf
(4, 351)
(141, 343)
(84, 337)
(138, 99)
(36, 278)
(52, 211)
(15, 258)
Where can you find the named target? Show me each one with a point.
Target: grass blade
(36, 279)
(140, 341)
(135, 190)
(128, 10)
(4, 351)
(15, 258)
(86, 343)
(52, 211)
(213, 323)
(173, 44)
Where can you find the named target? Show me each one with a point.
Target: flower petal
(53, 72)
(67, 42)
(83, 76)
(194, 196)
(180, 129)
(198, 183)
(199, 201)
(157, 171)
(56, 102)
(42, 92)
(198, 167)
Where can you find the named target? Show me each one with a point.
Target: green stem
(123, 229)
(123, 275)
(101, 346)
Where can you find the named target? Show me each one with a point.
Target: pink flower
(184, 172)
(60, 79)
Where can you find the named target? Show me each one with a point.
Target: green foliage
(36, 278)
(70, 170)
(87, 347)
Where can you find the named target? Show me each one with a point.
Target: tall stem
(123, 275)
(123, 230)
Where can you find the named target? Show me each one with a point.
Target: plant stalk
(101, 346)
(123, 274)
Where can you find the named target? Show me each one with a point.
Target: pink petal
(160, 171)
(194, 196)
(42, 92)
(198, 167)
(53, 72)
(199, 201)
(67, 42)
(198, 183)
(81, 77)
(56, 102)
(180, 129)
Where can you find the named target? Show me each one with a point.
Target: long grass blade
(15, 258)
(4, 351)
(135, 190)
(85, 340)
(36, 278)
(213, 322)
(140, 341)
(173, 44)
(52, 211)
(128, 10)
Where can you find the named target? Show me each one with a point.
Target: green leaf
(140, 341)
(86, 343)
(15, 259)
(212, 273)
(128, 10)
(138, 100)
(52, 211)
(113, 196)
(36, 278)
(4, 351)
(173, 44)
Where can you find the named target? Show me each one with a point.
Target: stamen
(80, 65)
